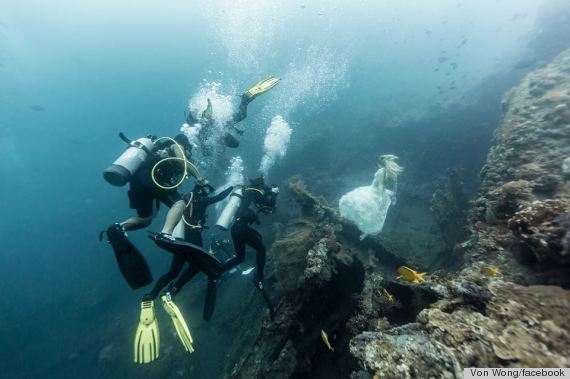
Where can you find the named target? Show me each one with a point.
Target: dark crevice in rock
(328, 309)
(411, 301)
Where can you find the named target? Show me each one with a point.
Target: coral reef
(524, 187)
(505, 307)
(520, 234)
(316, 273)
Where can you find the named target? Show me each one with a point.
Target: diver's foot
(171, 292)
(148, 297)
(163, 236)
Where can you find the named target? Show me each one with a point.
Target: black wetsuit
(194, 214)
(144, 192)
(243, 234)
(207, 125)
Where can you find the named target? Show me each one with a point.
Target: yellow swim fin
(260, 88)
(147, 338)
(178, 321)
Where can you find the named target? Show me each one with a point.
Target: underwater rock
(566, 168)
(311, 205)
(538, 234)
(109, 357)
(523, 175)
(478, 317)
(317, 261)
(448, 205)
(403, 352)
(522, 327)
(317, 278)
(502, 202)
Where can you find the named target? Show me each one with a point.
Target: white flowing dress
(368, 206)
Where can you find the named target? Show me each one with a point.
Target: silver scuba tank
(121, 171)
(227, 216)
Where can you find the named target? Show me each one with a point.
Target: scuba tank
(230, 210)
(121, 171)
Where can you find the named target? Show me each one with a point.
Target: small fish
(489, 270)
(325, 339)
(389, 296)
(410, 276)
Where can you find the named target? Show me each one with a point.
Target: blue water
(73, 74)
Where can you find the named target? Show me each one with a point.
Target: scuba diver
(154, 168)
(264, 198)
(194, 219)
(206, 122)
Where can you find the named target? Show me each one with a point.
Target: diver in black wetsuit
(264, 198)
(154, 182)
(145, 193)
(194, 218)
(242, 234)
(206, 121)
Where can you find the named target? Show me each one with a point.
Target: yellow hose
(183, 159)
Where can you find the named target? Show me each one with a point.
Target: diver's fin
(260, 88)
(193, 253)
(178, 321)
(147, 338)
(231, 141)
(131, 262)
(210, 302)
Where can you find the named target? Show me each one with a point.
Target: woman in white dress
(368, 206)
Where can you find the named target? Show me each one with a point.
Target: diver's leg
(195, 237)
(239, 247)
(173, 217)
(136, 222)
(143, 203)
(210, 301)
(253, 240)
(184, 278)
(241, 113)
(175, 268)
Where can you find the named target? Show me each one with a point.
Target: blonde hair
(388, 161)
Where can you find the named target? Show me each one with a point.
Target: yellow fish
(489, 270)
(389, 296)
(411, 276)
(325, 339)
